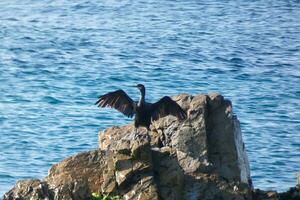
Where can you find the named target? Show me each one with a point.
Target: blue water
(57, 56)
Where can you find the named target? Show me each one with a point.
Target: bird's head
(141, 87)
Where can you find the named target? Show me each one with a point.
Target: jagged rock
(292, 194)
(265, 195)
(133, 167)
(203, 158)
(184, 152)
(169, 175)
(76, 177)
(29, 189)
(210, 136)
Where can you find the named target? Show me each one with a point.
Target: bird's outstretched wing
(118, 100)
(166, 106)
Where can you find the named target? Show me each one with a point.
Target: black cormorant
(144, 112)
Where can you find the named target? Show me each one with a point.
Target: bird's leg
(148, 131)
(135, 132)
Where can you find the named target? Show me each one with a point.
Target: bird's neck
(142, 99)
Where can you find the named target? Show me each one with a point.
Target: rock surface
(203, 157)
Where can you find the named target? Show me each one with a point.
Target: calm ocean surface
(56, 57)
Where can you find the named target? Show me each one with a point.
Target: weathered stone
(292, 194)
(74, 190)
(116, 138)
(203, 157)
(182, 150)
(211, 186)
(133, 170)
(74, 174)
(143, 189)
(210, 135)
(29, 189)
(265, 195)
(190, 136)
(109, 184)
(226, 150)
(191, 165)
(169, 175)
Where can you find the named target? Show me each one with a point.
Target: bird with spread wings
(143, 111)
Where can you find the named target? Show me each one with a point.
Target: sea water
(58, 56)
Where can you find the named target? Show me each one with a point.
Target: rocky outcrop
(29, 189)
(292, 194)
(203, 157)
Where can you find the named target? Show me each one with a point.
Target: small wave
(12, 19)
(2, 119)
(51, 100)
(18, 61)
(221, 59)
(6, 176)
(27, 38)
(236, 60)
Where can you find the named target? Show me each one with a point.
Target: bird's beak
(133, 86)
